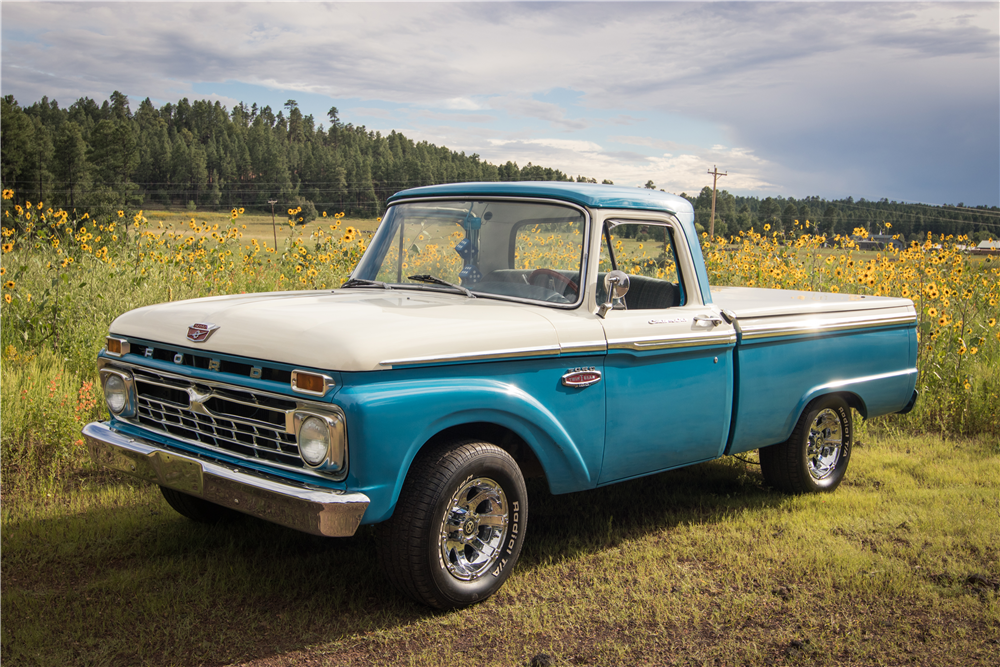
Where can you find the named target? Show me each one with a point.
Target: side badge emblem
(199, 332)
(581, 377)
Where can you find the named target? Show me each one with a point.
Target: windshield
(520, 250)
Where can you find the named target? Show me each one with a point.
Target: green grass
(698, 566)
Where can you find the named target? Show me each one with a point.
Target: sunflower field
(65, 276)
(956, 295)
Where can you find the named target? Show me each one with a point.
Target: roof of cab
(585, 194)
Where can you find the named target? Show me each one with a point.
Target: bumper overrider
(328, 512)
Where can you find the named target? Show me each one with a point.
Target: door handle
(714, 320)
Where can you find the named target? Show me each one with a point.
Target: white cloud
(574, 145)
(461, 104)
(369, 111)
(525, 107)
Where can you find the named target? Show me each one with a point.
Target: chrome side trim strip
(585, 346)
(327, 512)
(726, 339)
(752, 331)
(838, 384)
(514, 353)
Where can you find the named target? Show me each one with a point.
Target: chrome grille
(231, 420)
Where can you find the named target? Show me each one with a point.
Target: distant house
(878, 242)
(986, 248)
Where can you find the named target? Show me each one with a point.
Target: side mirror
(616, 284)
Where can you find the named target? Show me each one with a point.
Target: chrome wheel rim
(826, 440)
(473, 528)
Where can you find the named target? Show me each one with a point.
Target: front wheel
(816, 455)
(458, 526)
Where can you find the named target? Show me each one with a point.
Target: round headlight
(115, 393)
(314, 440)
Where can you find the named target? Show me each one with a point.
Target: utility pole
(715, 179)
(274, 229)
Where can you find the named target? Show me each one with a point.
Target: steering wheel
(559, 278)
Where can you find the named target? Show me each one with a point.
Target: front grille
(238, 422)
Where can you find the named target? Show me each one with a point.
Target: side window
(646, 252)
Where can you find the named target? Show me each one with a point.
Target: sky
(872, 100)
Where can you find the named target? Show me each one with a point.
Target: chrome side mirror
(616, 284)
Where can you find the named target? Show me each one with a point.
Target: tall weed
(44, 407)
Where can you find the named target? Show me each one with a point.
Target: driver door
(669, 368)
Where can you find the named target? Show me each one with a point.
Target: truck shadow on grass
(589, 521)
(139, 584)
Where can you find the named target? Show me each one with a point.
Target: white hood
(348, 330)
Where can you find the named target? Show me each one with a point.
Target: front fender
(389, 423)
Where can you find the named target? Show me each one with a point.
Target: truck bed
(795, 345)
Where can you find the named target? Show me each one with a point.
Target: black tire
(458, 526)
(816, 455)
(197, 509)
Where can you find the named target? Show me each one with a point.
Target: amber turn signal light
(305, 382)
(117, 346)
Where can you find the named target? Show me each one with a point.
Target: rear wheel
(816, 455)
(197, 509)
(458, 526)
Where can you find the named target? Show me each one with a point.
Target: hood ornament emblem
(200, 331)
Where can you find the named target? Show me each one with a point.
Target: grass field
(259, 227)
(701, 566)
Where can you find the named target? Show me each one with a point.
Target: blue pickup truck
(491, 332)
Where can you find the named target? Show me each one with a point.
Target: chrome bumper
(309, 509)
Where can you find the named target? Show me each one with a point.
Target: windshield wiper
(428, 278)
(362, 282)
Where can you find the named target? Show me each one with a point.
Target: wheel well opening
(855, 402)
(502, 437)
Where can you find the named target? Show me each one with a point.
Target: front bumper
(303, 507)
